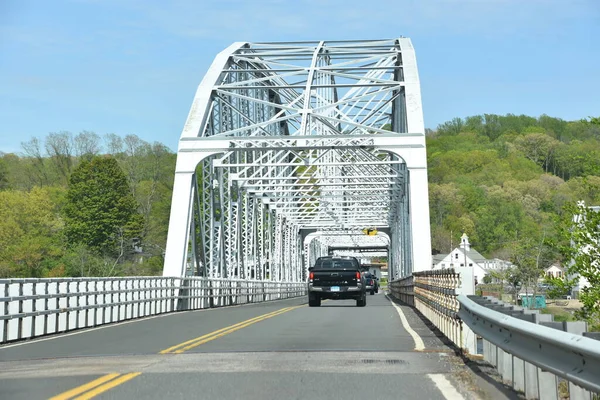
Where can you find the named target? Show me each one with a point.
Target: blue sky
(132, 66)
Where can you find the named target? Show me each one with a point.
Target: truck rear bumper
(325, 292)
(327, 289)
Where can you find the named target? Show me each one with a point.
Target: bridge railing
(434, 294)
(532, 353)
(37, 307)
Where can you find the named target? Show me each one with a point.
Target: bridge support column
(419, 220)
(179, 225)
(182, 212)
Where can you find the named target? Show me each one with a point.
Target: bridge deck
(280, 350)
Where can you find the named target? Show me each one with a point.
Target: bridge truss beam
(287, 137)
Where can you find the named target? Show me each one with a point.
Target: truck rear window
(335, 264)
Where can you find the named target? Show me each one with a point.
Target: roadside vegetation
(86, 205)
(513, 184)
(83, 205)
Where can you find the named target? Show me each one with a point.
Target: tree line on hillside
(493, 177)
(82, 205)
(503, 180)
(512, 184)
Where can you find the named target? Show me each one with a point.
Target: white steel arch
(284, 139)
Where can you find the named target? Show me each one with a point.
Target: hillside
(504, 179)
(501, 179)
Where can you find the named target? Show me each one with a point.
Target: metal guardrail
(530, 353)
(37, 307)
(537, 356)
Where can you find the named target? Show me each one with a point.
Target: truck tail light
(357, 275)
(311, 276)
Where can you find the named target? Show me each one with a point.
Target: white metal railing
(37, 307)
(535, 355)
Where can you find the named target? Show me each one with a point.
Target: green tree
(580, 233)
(3, 173)
(537, 147)
(559, 287)
(100, 211)
(593, 120)
(29, 232)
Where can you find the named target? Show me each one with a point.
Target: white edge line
(443, 384)
(58, 335)
(419, 345)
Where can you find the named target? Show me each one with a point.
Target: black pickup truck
(337, 278)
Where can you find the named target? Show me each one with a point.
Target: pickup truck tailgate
(334, 277)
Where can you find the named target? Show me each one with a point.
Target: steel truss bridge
(292, 148)
(290, 151)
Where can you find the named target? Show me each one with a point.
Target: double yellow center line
(107, 382)
(190, 344)
(96, 387)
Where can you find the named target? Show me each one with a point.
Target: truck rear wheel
(362, 301)
(314, 300)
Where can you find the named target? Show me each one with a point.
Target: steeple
(464, 243)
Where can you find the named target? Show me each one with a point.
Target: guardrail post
(531, 381)
(67, 307)
(57, 307)
(518, 374)
(180, 306)
(33, 308)
(577, 392)
(6, 312)
(163, 294)
(112, 299)
(121, 298)
(20, 319)
(507, 367)
(128, 303)
(144, 294)
(211, 301)
(229, 288)
(87, 303)
(155, 295)
(77, 303)
(465, 286)
(202, 292)
(103, 313)
(46, 300)
(488, 351)
(96, 305)
(548, 385)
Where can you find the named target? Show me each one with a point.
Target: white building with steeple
(464, 255)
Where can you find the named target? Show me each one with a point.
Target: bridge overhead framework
(291, 148)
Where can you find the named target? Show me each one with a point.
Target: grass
(560, 315)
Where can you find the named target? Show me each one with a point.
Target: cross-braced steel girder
(285, 139)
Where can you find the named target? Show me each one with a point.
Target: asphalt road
(276, 350)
